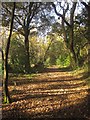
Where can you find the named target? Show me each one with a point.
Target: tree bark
(27, 65)
(8, 99)
(63, 24)
(2, 54)
(72, 45)
(26, 32)
(64, 32)
(72, 32)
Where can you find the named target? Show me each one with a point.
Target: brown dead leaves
(48, 94)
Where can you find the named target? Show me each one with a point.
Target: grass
(83, 72)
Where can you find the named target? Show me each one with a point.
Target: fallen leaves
(47, 94)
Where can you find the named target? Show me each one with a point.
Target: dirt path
(51, 94)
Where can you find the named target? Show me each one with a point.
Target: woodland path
(54, 94)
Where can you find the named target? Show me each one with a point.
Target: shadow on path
(51, 69)
(50, 95)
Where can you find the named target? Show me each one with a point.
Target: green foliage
(17, 56)
(63, 60)
(56, 49)
(47, 62)
(37, 49)
(5, 100)
(80, 38)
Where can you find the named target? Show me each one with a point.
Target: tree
(81, 43)
(23, 23)
(87, 6)
(39, 50)
(8, 99)
(70, 25)
(17, 55)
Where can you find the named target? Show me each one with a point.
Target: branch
(86, 6)
(18, 20)
(72, 13)
(35, 10)
(30, 10)
(66, 8)
(6, 9)
(11, 29)
(21, 32)
(85, 45)
(63, 26)
(60, 15)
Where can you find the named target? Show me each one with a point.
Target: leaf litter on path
(48, 94)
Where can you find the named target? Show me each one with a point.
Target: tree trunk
(7, 96)
(27, 65)
(2, 54)
(74, 58)
(89, 38)
(2, 58)
(45, 55)
(64, 32)
(72, 45)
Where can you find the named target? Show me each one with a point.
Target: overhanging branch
(60, 15)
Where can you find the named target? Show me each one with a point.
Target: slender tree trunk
(89, 38)
(45, 55)
(63, 24)
(2, 54)
(74, 58)
(2, 60)
(27, 53)
(72, 45)
(64, 32)
(8, 99)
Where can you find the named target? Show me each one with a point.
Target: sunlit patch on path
(48, 94)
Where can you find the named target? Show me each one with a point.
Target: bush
(39, 67)
(63, 61)
(17, 56)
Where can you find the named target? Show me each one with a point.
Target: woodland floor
(55, 93)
